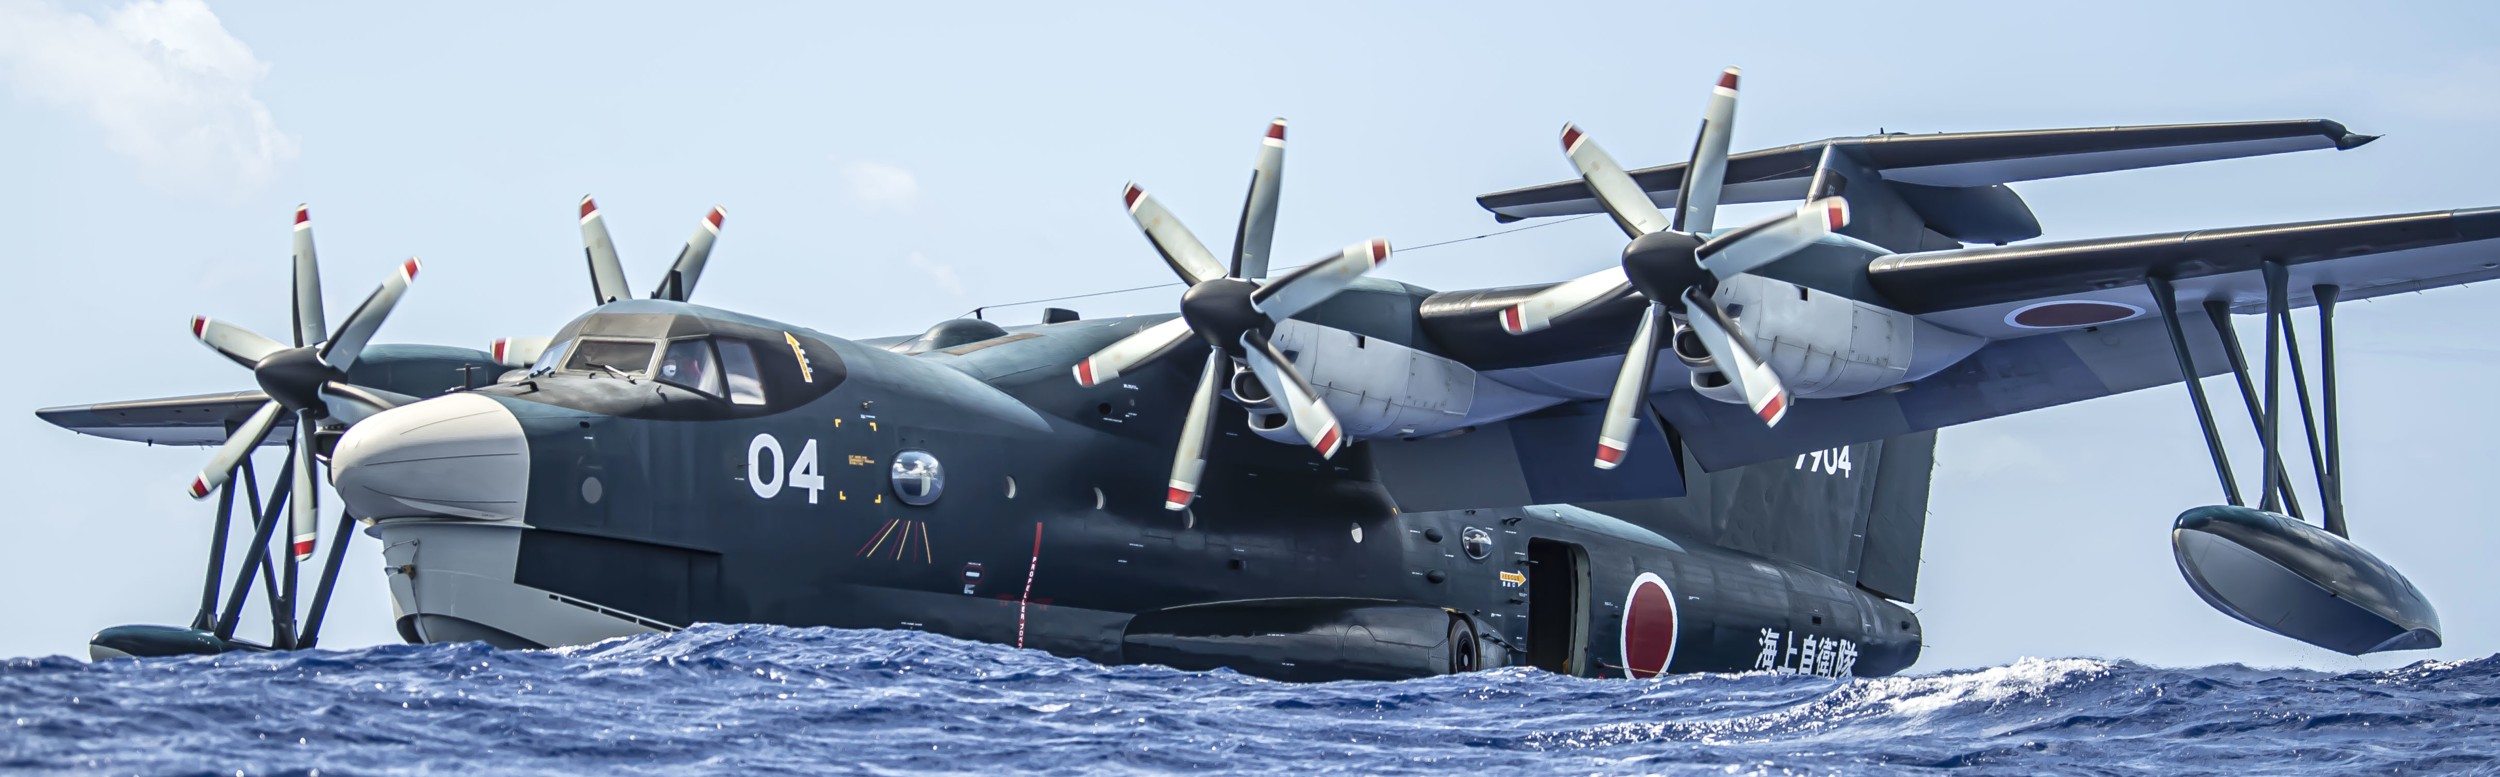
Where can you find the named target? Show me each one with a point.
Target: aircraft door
(1558, 606)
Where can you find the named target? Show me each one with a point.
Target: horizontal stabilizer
(1954, 160)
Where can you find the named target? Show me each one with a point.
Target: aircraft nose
(461, 455)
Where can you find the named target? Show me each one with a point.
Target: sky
(889, 166)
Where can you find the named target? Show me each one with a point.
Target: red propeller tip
(1380, 250)
(1131, 195)
(408, 269)
(1085, 373)
(302, 214)
(1276, 129)
(303, 549)
(199, 327)
(1609, 455)
(1327, 443)
(717, 215)
(1176, 498)
(1836, 213)
(1513, 321)
(1571, 137)
(1772, 410)
(589, 207)
(199, 488)
(501, 343)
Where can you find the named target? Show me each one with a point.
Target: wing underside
(200, 419)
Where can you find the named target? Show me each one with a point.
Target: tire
(1466, 654)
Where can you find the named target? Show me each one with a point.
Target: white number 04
(767, 480)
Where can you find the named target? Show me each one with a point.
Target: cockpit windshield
(630, 358)
(691, 364)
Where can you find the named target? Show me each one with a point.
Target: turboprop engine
(1821, 344)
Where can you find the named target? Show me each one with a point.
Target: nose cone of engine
(462, 456)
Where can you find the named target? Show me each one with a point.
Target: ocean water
(760, 699)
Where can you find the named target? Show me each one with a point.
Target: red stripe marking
(303, 548)
(716, 217)
(589, 207)
(1609, 454)
(199, 488)
(1130, 197)
(1327, 441)
(1177, 496)
(199, 327)
(1571, 137)
(1837, 213)
(1276, 129)
(1085, 373)
(302, 214)
(1727, 80)
(1511, 320)
(1772, 408)
(409, 268)
(1027, 599)
(1380, 251)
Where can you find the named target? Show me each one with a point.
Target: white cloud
(941, 273)
(876, 183)
(169, 87)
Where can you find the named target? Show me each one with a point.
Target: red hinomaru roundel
(1648, 627)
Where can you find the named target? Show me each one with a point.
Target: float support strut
(2165, 296)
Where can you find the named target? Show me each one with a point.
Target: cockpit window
(631, 357)
(548, 359)
(688, 364)
(746, 384)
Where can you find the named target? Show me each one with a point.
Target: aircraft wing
(200, 419)
(1983, 291)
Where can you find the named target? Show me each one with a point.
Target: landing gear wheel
(1464, 650)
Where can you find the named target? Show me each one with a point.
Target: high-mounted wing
(1955, 178)
(200, 419)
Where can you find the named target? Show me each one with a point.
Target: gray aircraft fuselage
(654, 506)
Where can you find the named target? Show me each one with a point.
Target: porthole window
(918, 478)
(1478, 543)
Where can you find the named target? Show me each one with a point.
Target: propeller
(307, 380)
(1233, 309)
(1676, 258)
(607, 273)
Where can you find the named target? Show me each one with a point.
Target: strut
(2276, 493)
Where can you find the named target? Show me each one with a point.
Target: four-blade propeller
(1677, 258)
(308, 380)
(1234, 312)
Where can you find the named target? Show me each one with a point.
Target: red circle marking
(2071, 313)
(1648, 627)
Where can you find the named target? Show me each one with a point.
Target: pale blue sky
(886, 167)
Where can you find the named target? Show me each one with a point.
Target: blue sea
(761, 699)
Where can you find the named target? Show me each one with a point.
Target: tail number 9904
(765, 463)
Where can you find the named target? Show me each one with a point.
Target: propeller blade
(238, 445)
(1258, 211)
(1623, 199)
(1623, 407)
(1300, 403)
(1697, 201)
(519, 351)
(309, 325)
(1741, 251)
(1189, 459)
(1180, 249)
(679, 285)
(352, 404)
(1316, 282)
(1542, 309)
(1734, 353)
(341, 350)
(303, 513)
(1131, 352)
(242, 346)
(607, 274)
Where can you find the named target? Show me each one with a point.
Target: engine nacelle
(1827, 345)
(1376, 388)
